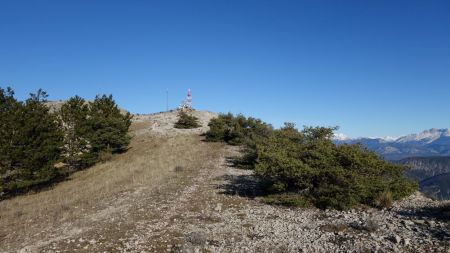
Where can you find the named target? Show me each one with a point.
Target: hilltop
(174, 192)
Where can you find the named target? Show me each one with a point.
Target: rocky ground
(217, 208)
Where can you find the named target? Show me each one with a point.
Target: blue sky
(374, 68)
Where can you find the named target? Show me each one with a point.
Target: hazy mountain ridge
(432, 173)
(421, 168)
(437, 187)
(432, 142)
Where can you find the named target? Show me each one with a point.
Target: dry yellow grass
(148, 166)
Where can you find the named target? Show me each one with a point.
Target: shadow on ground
(429, 215)
(244, 185)
(440, 213)
(241, 185)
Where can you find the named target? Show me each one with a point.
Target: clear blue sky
(373, 67)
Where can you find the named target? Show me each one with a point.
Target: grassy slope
(95, 193)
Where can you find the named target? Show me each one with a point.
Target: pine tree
(74, 121)
(186, 121)
(31, 142)
(109, 126)
(9, 109)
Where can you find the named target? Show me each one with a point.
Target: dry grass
(385, 200)
(334, 228)
(148, 165)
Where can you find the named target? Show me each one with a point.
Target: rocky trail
(205, 205)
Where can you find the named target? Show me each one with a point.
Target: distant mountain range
(426, 155)
(433, 142)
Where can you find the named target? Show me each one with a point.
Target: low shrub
(307, 164)
(236, 130)
(179, 168)
(105, 156)
(384, 200)
(332, 176)
(186, 121)
(334, 228)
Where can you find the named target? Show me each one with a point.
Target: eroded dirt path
(151, 221)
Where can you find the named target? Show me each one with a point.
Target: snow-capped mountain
(433, 142)
(427, 136)
(341, 137)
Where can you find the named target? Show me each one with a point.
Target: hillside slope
(437, 187)
(156, 163)
(421, 168)
(432, 173)
(173, 192)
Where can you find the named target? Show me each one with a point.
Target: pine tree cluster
(33, 139)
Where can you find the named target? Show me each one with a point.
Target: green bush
(308, 164)
(332, 176)
(186, 121)
(236, 130)
(239, 130)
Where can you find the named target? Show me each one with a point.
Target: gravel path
(231, 220)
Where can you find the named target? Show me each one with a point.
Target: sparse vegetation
(384, 200)
(309, 164)
(334, 228)
(179, 168)
(186, 121)
(148, 165)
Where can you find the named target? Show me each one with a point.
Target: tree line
(305, 167)
(34, 140)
